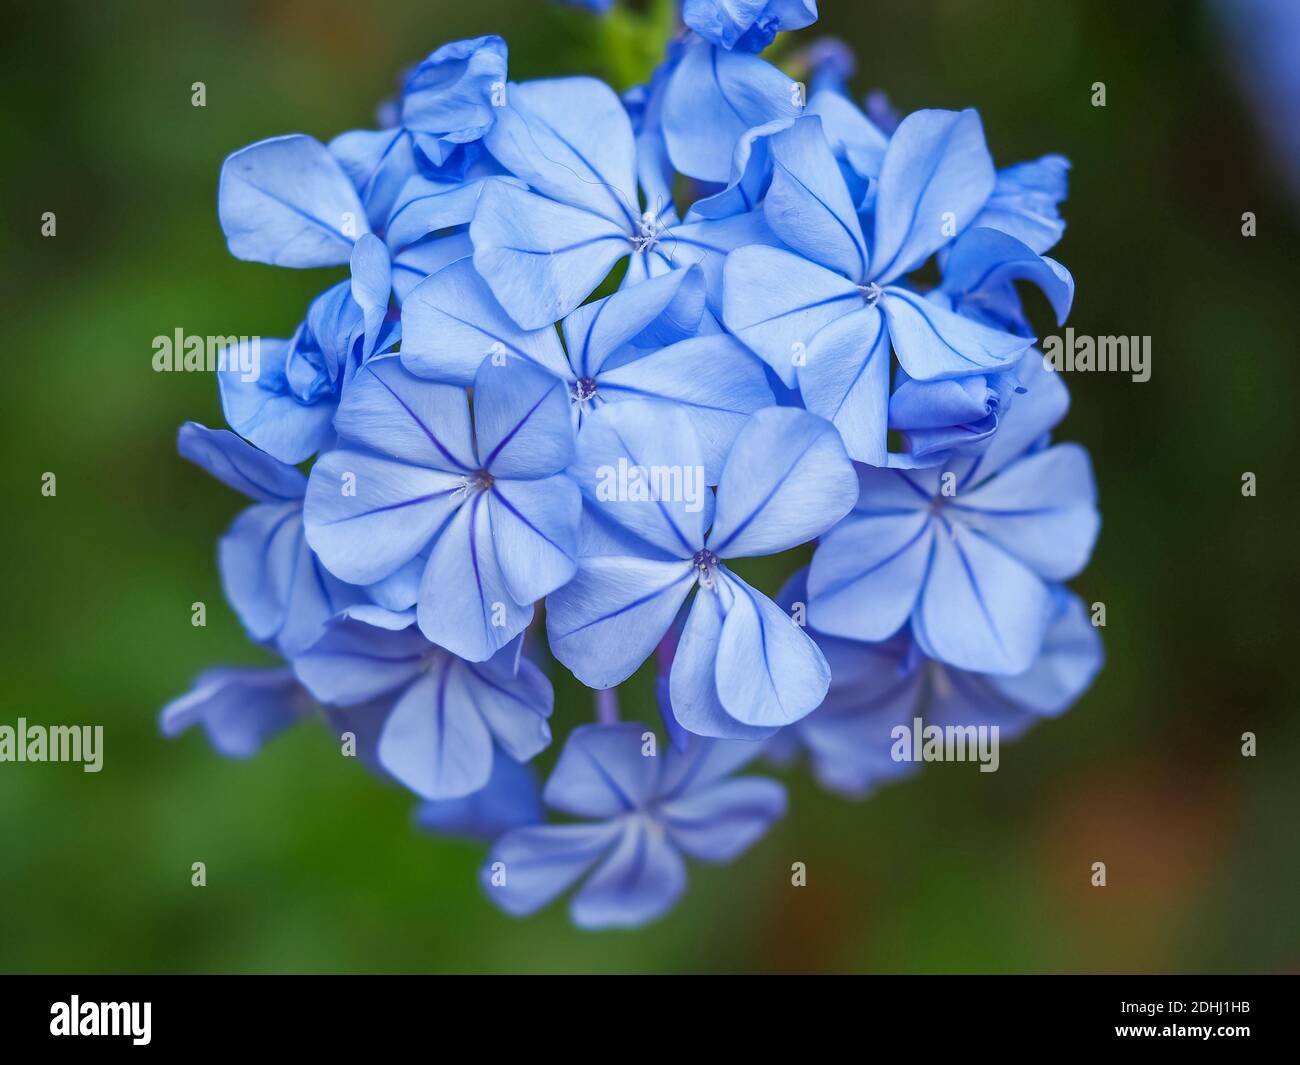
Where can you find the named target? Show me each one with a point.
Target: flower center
(647, 232)
(478, 481)
(584, 388)
(871, 292)
(705, 562)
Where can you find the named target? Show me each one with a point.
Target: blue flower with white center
(876, 687)
(827, 315)
(742, 667)
(642, 811)
(441, 715)
(967, 553)
(486, 500)
(650, 341)
(746, 25)
(277, 586)
(239, 709)
(545, 248)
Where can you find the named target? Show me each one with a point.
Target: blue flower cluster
(590, 351)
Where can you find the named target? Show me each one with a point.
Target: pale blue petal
(354, 663)
(1042, 510)
(510, 800)
(239, 709)
(287, 202)
(608, 620)
(667, 306)
(1031, 417)
(434, 741)
(366, 516)
(786, 481)
(868, 571)
(603, 772)
(258, 558)
(718, 823)
(808, 205)
(452, 94)
(535, 526)
(985, 261)
(1072, 656)
(776, 302)
(715, 379)
(451, 322)
(935, 178)
(539, 862)
(653, 447)
(845, 379)
(262, 409)
(571, 140)
(378, 163)
(521, 418)
(981, 609)
(390, 410)
(640, 880)
(713, 97)
(465, 604)
(693, 683)
(769, 671)
(1025, 201)
(933, 343)
(235, 463)
(540, 257)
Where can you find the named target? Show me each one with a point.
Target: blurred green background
(313, 865)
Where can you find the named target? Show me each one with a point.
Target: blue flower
(437, 716)
(742, 668)
(827, 315)
(448, 102)
(545, 249)
(488, 504)
(286, 202)
(650, 341)
(967, 553)
(642, 812)
(277, 586)
(876, 687)
(239, 708)
(746, 25)
(711, 97)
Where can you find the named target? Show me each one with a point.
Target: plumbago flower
(875, 688)
(742, 668)
(966, 553)
(641, 343)
(499, 417)
(440, 714)
(544, 249)
(642, 813)
(485, 506)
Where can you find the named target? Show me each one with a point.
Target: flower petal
(786, 481)
(608, 620)
(287, 202)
